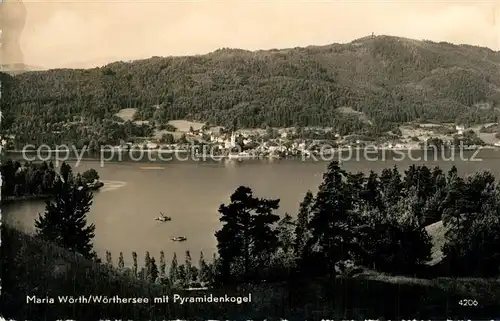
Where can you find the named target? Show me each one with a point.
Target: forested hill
(389, 79)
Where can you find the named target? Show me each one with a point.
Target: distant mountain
(385, 79)
(19, 68)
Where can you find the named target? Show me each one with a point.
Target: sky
(87, 33)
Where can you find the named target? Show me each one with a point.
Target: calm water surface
(191, 192)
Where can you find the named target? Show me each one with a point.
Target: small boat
(163, 218)
(179, 239)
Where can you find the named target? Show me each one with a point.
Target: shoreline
(24, 198)
(181, 150)
(195, 157)
(252, 155)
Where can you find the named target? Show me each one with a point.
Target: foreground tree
(394, 240)
(135, 267)
(174, 271)
(285, 229)
(121, 262)
(205, 274)
(247, 237)
(163, 265)
(331, 234)
(302, 226)
(189, 268)
(153, 270)
(472, 220)
(391, 185)
(147, 266)
(65, 220)
(109, 258)
(370, 195)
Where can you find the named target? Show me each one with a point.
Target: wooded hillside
(389, 79)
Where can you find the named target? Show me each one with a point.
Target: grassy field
(126, 114)
(184, 125)
(32, 267)
(436, 231)
(348, 110)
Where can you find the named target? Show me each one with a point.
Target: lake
(124, 210)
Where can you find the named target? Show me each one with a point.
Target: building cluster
(288, 142)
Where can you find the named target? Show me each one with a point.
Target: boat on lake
(179, 239)
(163, 218)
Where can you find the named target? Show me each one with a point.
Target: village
(305, 141)
(290, 142)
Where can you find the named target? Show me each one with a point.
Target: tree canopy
(375, 221)
(65, 220)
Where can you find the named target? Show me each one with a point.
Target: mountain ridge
(389, 79)
(100, 62)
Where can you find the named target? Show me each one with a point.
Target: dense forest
(355, 226)
(388, 79)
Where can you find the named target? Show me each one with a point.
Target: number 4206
(468, 303)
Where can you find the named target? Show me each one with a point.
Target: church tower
(233, 139)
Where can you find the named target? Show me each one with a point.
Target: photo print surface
(235, 160)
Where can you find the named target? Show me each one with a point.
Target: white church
(230, 143)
